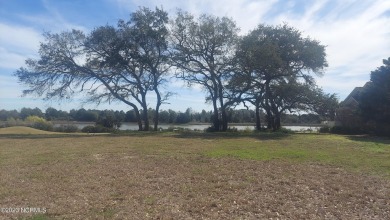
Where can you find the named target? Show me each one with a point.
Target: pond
(201, 127)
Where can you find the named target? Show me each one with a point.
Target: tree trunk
(145, 118)
(270, 117)
(270, 120)
(277, 121)
(137, 116)
(156, 116)
(224, 119)
(145, 113)
(223, 107)
(216, 116)
(273, 109)
(139, 120)
(258, 121)
(276, 114)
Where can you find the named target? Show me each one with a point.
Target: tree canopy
(280, 64)
(375, 98)
(120, 63)
(272, 67)
(203, 52)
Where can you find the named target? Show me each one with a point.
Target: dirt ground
(145, 186)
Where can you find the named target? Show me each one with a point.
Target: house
(353, 98)
(347, 114)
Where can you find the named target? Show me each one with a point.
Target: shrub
(383, 130)
(346, 130)
(232, 129)
(325, 129)
(210, 129)
(67, 128)
(171, 128)
(39, 123)
(248, 129)
(13, 122)
(109, 121)
(97, 129)
(34, 118)
(46, 126)
(285, 131)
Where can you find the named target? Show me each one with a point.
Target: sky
(356, 34)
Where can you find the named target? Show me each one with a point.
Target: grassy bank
(367, 154)
(195, 175)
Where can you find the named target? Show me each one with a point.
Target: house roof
(354, 97)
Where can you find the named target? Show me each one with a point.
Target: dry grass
(190, 177)
(20, 130)
(23, 131)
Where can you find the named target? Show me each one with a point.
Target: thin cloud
(58, 21)
(9, 87)
(246, 13)
(10, 60)
(342, 86)
(356, 34)
(19, 37)
(16, 44)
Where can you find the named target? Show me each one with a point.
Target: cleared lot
(195, 176)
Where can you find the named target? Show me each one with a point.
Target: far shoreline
(59, 122)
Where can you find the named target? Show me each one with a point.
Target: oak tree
(122, 63)
(203, 53)
(280, 65)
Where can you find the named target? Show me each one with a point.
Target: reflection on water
(134, 126)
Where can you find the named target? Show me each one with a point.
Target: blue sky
(356, 33)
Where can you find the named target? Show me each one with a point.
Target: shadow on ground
(369, 139)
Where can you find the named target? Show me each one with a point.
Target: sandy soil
(140, 186)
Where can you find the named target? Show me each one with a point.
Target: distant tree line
(113, 119)
(272, 68)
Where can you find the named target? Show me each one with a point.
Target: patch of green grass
(150, 200)
(364, 154)
(108, 213)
